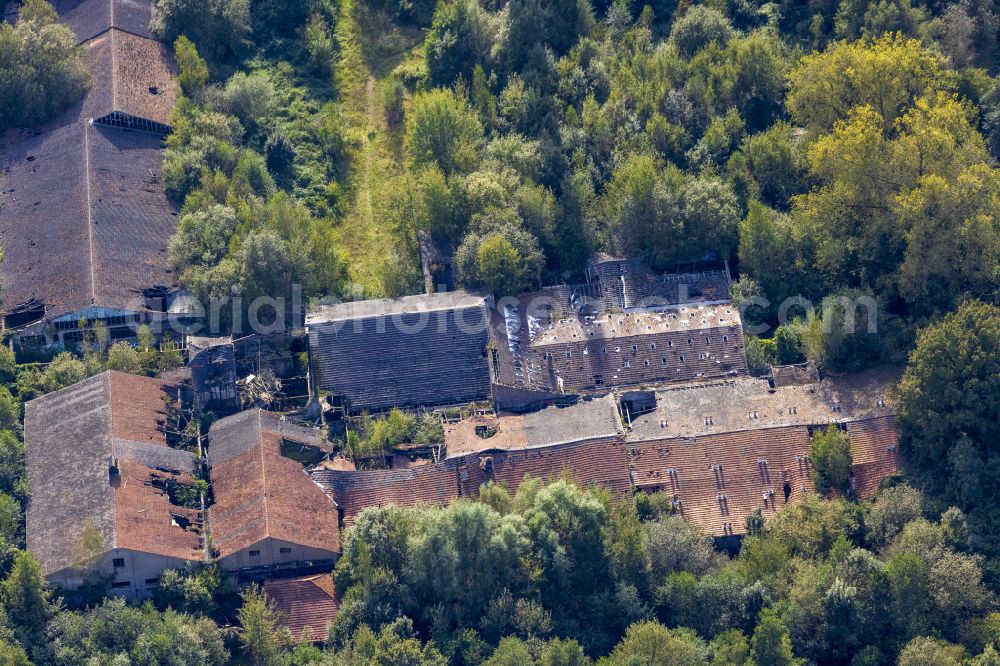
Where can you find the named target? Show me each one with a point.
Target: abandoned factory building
(724, 450)
(87, 189)
(268, 513)
(542, 347)
(414, 351)
(107, 489)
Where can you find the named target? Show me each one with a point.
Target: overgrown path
(370, 47)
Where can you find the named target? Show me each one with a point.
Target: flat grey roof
(386, 307)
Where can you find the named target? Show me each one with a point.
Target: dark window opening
(254, 553)
(152, 581)
(121, 583)
(118, 563)
(284, 551)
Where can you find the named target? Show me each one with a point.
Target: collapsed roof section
(589, 418)
(588, 461)
(744, 403)
(541, 346)
(718, 481)
(630, 284)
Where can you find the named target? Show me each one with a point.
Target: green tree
(810, 526)
(123, 357)
(559, 652)
(924, 651)
(675, 545)
(950, 394)
(459, 38)
(12, 655)
(219, 27)
(652, 644)
(511, 651)
(887, 74)
(259, 635)
(771, 645)
(319, 45)
(777, 253)
(10, 521)
(698, 27)
(13, 478)
(830, 456)
(953, 238)
(892, 509)
(42, 71)
(25, 597)
(729, 648)
(776, 161)
(498, 255)
(441, 130)
(193, 69)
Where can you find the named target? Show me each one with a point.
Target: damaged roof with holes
(89, 18)
(750, 403)
(84, 220)
(613, 326)
(717, 481)
(354, 491)
(133, 85)
(541, 349)
(874, 452)
(588, 418)
(132, 76)
(415, 351)
(632, 283)
(261, 494)
(97, 455)
(308, 602)
(600, 461)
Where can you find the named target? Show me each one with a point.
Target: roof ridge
(114, 61)
(106, 378)
(263, 470)
(90, 212)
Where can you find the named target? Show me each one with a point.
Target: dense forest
(826, 149)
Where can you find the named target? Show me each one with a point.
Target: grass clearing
(371, 46)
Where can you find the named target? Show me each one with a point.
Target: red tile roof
(305, 602)
(601, 461)
(111, 421)
(718, 480)
(355, 491)
(596, 461)
(138, 407)
(875, 452)
(259, 494)
(147, 521)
